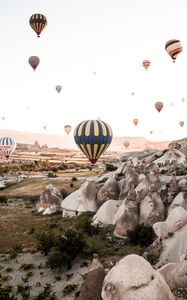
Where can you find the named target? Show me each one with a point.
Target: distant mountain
(67, 141)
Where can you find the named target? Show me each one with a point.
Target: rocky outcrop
(175, 274)
(129, 219)
(109, 190)
(131, 178)
(152, 209)
(50, 200)
(106, 213)
(133, 278)
(91, 288)
(82, 200)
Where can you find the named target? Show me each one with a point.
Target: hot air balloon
(93, 137)
(126, 144)
(135, 121)
(151, 131)
(58, 88)
(34, 61)
(67, 129)
(146, 63)
(44, 127)
(173, 48)
(132, 93)
(183, 99)
(38, 22)
(3, 118)
(7, 145)
(181, 123)
(159, 106)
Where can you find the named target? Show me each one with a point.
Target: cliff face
(179, 145)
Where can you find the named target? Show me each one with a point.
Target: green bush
(110, 167)
(94, 244)
(57, 260)
(69, 288)
(46, 294)
(141, 235)
(27, 267)
(51, 174)
(46, 240)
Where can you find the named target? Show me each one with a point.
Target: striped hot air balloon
(173, 48)
(38, 22)
(146, 64)
(93, 137)
(7, 145)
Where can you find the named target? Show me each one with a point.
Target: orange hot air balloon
(173, 48)
(146, 64)
(126, 144)
(67, 129)
(135, 121)
(159, 105)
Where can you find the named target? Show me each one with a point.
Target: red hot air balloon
(146, 64)
(159, 105)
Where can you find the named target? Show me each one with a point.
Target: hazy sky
(109, 37)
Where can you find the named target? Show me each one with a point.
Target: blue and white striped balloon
(7, 145)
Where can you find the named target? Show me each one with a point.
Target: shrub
(94, 244)
(46, 294)
(58, 260)
(3, 199)
(141, 235)
(5, 291)
(74, 179)
(16, 249)
(110, 167)
(46, 240)
(51, 174)
(69, 288)
(27, 267)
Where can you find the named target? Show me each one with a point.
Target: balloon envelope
(93, 137)
(58, 88)
(173, 48)
(126, 144)
(181, 123)
(146, 64)
(135, 121)
(159, 106)
(7, 145)
(34, 61)
(38, 22)
(67, 129)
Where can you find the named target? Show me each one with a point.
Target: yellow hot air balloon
(159, 105)
(173, 48)
(34, 61)
(67, 129)
(126, 144)
(135, 121)
(38, 22)
(146, 64)
(93, 137)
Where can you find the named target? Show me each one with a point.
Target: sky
(94, 49)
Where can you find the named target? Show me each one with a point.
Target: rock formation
(82, 200)
(50, 200)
